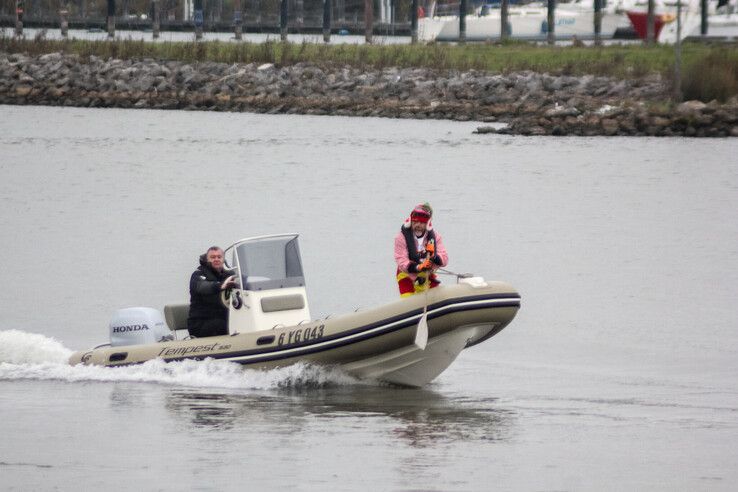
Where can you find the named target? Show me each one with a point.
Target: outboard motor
(138, 325)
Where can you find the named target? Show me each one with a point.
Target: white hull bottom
(411, 366)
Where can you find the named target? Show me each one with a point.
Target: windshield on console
(269, 263)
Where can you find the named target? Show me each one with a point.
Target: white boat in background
(527, 22)
(722, 21)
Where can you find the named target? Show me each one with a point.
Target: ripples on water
(222, 395)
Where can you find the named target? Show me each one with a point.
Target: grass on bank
(712, 76)
(709, 71)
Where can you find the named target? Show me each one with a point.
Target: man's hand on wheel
(229, 282)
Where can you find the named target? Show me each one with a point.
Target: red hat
(421, 213)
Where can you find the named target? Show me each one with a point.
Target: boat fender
(476, 282)
(138, 325)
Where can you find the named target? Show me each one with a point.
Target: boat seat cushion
(176, 316)
(282, 303)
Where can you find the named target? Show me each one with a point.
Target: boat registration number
(301, 335)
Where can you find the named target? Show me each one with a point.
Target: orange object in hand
(425, 265)
(430, 248)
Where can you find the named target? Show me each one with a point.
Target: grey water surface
(620, 371)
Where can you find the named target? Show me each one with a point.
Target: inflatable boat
(408, 342)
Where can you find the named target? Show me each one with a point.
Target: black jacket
(205, 293)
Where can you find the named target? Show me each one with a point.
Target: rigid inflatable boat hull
(376, 343)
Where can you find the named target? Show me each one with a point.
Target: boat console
(271, 291)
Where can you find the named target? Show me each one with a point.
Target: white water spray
(30, 356)
(20, 347)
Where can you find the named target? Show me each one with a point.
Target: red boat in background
(639, 20)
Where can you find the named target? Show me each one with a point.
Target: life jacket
(412, 252)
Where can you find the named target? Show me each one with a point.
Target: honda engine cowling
(138, 325)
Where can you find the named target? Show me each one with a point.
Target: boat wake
(20, 347)
(30, 356)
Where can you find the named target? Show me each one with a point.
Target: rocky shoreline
(531, 103)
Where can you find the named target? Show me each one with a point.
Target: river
(620, 371)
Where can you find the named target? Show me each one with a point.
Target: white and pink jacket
(406, 255)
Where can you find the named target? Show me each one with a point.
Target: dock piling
(237, 20)
(19, 17)
(283, 17)
(111, 19)
(703, 17)
(414, 22)
(326, 21)
(369, 20)
(504, 20)
(198, 18)
(462, 22)
(156, 23)
(598, 22)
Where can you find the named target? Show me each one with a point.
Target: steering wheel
(225, 297)
(228, 298)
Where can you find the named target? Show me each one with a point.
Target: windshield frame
(291, 257)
